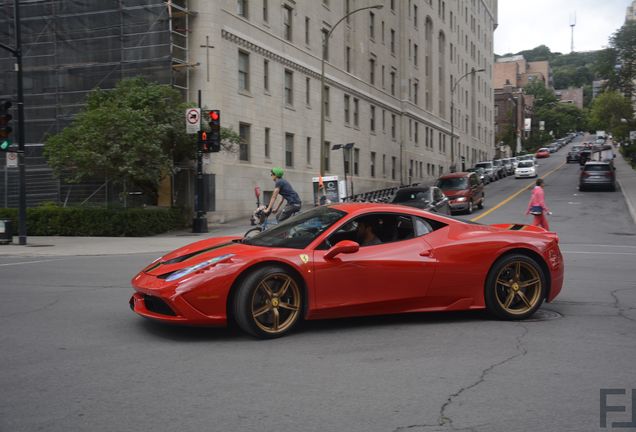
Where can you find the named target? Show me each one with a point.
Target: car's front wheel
(470, 207)
(515, 287)
(268, 303)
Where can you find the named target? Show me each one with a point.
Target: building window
(327, 111)
(327, 147)
(356, 112)
(306, 30)
(393, 126)
(392, 83)
(325, 44)
(308, 149)
(415, 16)
(244, 70)
(347, 9)
(308, 91)
(289, 150)
(265, 11)
(289, 88)
(382, 77)
(244, 144)
(348, 59)
(267, 145)
(347, 100)
(416, 88)
(241, 8)
(372, 71)
(393, 5)
(392, 41)
(371, 25)
(287, 23)
(356, 161)
(384, 165)
(382, 34)
(266, 75)
(415, 54)
(372, 119)
(383, 120)
(372, 164)
(393, 165)
(416, 134)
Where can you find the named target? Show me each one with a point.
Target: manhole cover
(545, 315)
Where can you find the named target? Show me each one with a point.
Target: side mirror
(344, 246)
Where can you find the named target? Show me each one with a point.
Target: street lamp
(345, 147)
(325, 43)
(452, 118)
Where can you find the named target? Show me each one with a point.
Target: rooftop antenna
(572, 24)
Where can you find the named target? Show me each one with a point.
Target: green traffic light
(5, 144)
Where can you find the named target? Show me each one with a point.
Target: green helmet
(278, 172)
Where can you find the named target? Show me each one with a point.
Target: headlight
(460, 199)
(186, 271)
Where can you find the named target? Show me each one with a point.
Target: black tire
(268, 302)
(515, 287)
(253, 231)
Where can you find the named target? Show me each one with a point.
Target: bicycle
(259, 217)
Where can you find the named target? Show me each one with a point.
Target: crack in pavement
(445, 420)
(617, 304)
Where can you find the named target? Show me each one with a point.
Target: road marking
(598, 253)
(513, 196)
(31, 262)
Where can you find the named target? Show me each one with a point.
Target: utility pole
(17, 53)
(572, 24)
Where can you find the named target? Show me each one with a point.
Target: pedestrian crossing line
(513, 196)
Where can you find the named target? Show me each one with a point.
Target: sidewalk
(51, 246)
(67, 246)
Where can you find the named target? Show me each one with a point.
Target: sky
(526, 24)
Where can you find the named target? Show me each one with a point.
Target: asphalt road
(75, 358)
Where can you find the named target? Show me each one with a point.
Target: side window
(374, 229)
(422, 227)
(438, 195)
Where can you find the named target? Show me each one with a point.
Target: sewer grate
(545, 315)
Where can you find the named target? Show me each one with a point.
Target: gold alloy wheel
(275, 304)
(518, 287)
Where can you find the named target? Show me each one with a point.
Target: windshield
(299, 231)
(484, 165)
(525, 164)
(411, 195)
(453, 183)
(496, 163)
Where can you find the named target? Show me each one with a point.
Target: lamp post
(452, 117)
(325, 43)
(345, 147)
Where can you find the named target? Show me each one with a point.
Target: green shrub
(50, 220)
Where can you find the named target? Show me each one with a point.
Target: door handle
(426, 253)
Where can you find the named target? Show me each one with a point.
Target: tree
(611, 111)
(131, 135)
(624, 43)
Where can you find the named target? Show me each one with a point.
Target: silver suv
(489, 170)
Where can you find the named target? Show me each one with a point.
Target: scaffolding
(71, 47)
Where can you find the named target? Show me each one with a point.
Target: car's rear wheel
(515, 287)
(268, 303)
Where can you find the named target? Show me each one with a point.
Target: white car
(525, 168)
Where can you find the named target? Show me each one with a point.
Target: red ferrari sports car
(353, 259)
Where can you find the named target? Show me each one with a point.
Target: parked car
(481, 174)
(598, 175)
(553, 148)
(489, 170)
(500, 170)
(463, 189)
(429, 198)
(509, 167)
(525, 168)
(542, 153)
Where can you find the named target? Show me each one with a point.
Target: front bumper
(459, 206)
(519, 174)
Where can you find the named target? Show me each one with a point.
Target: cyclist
(283, 188)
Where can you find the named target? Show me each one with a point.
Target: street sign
(527, 123)
(632, 135)
(193, 120)
(541, 125)
(12, 160)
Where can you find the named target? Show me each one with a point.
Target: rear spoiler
(526, 228)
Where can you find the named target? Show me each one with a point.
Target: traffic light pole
(200, 222)
(17, 53)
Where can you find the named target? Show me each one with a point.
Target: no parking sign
(12, 160)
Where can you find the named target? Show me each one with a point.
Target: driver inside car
(366, 232)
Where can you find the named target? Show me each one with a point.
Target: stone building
(392, 76)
